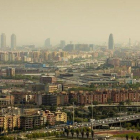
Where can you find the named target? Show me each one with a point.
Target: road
(111, 120)
(84, 124)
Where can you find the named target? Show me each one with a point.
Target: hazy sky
(84, 21)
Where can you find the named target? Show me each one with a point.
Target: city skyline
(49, 42)
(69, 69)
(79, 21)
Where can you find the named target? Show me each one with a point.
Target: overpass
(104, 105)
(114, 120)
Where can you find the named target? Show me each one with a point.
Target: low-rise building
(6, 100)
(61, 116)
(47, 79)
(50, 88)
(36, 87)
(10, 72)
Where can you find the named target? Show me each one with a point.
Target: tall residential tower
(47, 42)
(62, 43)
(129, 42)
(13, 41)
(111, 42)
(3, 40)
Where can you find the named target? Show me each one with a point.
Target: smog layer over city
(69, 69)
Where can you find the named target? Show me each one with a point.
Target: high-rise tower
(111, 42)
(3, 40)
(62, 43)
(129, 42)
(47, 42)
(13, 41)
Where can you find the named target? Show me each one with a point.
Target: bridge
(115, 120)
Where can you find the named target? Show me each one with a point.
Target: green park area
(135, 135)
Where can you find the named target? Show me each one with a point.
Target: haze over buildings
(82, 21)
(66, 59)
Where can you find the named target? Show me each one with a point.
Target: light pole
(92, 107)
(137, 105)
(92, 116)
(120, 117)
(73, 113)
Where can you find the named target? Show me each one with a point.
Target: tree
(83, 132)
(92, 86)
(53, 108)
(77, 132)
(138, 127)
(47, 123)
(133, 127)
(72, 132)
(92, 134)
(121, 103)
(67, 132)
(73, 100)
(95, 103)
(128, 124)
(128, 102)
(132, 137)
(87, 133)
(109, 101)
(126, 136)
(111, 113)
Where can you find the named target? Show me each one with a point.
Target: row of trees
(132, 137)
(93, 87)
(47, 134)
(83, 131)
(6, 138)
(129, 125)
(19, 77)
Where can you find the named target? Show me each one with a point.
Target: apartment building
(102, 96)
(61, 116)
(50, 88)
(6, 100)
(31, 121)
(55, 99)
(50, 117)
(9, 122)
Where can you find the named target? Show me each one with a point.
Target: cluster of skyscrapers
(63, 43)
(3, 41)
(47, 42)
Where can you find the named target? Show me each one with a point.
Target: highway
(108, 121)
(95, 123)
